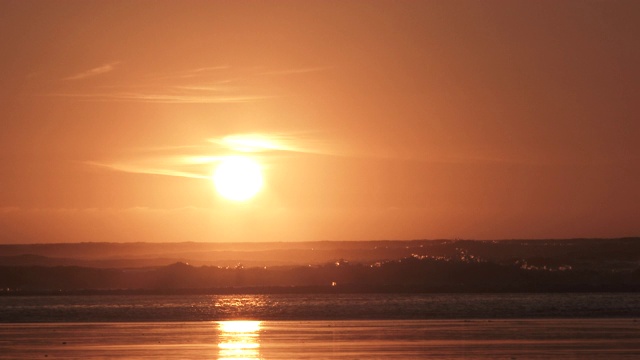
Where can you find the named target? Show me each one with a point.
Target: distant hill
(408, 275)
(39, 260)
(612, 254)
(367, 266)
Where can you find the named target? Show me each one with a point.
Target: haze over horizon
(365, 120)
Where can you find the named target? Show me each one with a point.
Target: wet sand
(369, 339)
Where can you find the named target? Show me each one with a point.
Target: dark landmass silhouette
(366, 266)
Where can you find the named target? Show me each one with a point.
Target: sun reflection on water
(239, 340)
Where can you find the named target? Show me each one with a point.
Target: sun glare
(239, 340)
(251, 143)
(238, 178)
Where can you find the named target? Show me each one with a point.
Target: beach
(342, 339)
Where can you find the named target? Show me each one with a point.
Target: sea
(321, 326)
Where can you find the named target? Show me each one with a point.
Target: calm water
(326, 339)
(124, 308)
(367, 326)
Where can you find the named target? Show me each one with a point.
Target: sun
(238, 178)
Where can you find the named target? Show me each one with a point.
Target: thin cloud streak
(141, 169)
(204, 85)
(197, 161)
(192, 73)
(283, 142)
(212, 88)
(8, 210)
(165, 98)
(103, 69)
(297, 71)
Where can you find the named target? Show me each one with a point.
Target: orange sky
(393, 119)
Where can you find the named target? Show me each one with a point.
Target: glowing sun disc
(238, 178)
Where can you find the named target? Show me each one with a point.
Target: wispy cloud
(197, 161)
(204, 97)
(204, 85)
(95, 210)
(260, 142)
(197, 86)
(198, 72)
(102, 69)
(296, 71)
(166, 166)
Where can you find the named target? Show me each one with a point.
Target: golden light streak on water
(239, 340)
